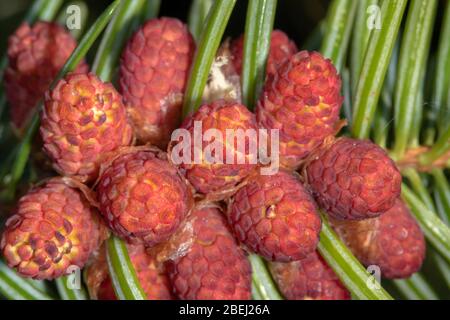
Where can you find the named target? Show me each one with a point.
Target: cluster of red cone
(188, 226)
(35, 54)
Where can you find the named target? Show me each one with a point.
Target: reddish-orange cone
(281, 49)
(353, 179)
(393, 241)
(276, 217)
(82, 121)
(55, 227)
(302, 100)
(142, 196)
(151, 276)
(214, 267)
(309, 278)
(153, 75)
(218, 179)
(35, 56)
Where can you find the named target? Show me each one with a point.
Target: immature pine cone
(219, 178)
(35, 56)
(281, 49)
(353, 179)
(54, 227)
(275, 217)
(142, 196)
(302, 99)
(152, 276)
(153, 74)
(392, 241)
(82, 120)
(215, 267)
(309, 278)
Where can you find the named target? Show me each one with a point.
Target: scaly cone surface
(231, 163)
(309, 278)
(302, 100)
(214, 267)
(276, 217)
(153, 74)
(54, 227)
(152, 276)
(83, 119)
(35, 56)
(142, 196)
(281, 49)
(392, 241)
(353, 179)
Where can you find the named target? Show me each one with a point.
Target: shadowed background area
(297, 17)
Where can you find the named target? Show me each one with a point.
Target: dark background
(296, 17)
